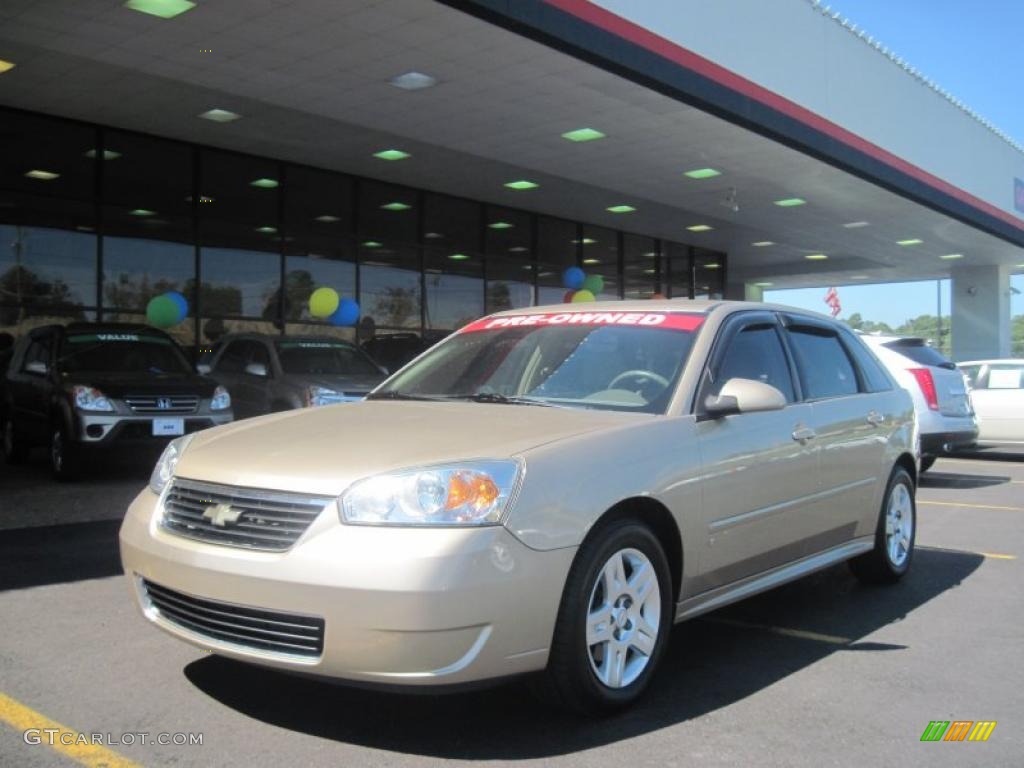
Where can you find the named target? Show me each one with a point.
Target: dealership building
(439, 159)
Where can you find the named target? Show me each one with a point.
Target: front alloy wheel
(613, 622)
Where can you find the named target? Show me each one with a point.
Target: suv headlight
(470, 493)
(164, 469)
(90, 399)
(221, 400)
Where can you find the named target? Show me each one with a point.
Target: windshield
(324, 357)
(624, 361)
(117, 352)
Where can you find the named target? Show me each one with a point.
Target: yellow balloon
(323, 302)
(581, 296)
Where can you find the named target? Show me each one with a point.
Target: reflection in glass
(136, 270)
(47, 268)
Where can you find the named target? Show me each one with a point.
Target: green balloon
(594, 284)
(162, 311)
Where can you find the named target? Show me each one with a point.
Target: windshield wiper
(494, 397)
(393, 395)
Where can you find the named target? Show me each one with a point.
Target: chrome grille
(255, 628)
(162, 404)
(269, 520)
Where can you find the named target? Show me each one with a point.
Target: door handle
(875, 418)
(803, 434)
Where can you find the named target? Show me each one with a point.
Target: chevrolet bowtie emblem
(222, 514)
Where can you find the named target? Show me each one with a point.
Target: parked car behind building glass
(997, 394)
(266, 373)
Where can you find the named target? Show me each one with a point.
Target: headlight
(473, 493)
(164, 469)
(316, 396)
(89, 399)
(221, 400)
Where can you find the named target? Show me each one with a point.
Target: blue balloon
(573, 278)
(346, 314)
(182, 303)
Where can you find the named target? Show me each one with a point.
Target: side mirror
(744, 396)
(203, 368)
(37, 367)
(256, 369)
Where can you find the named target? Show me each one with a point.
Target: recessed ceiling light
(650, 255)
(142, 212)
(500, 225)
(42, 175)
(165, 9)
(108, 154)
(583, 134)
(816, 256)
(391, 154)
(712, 265)
(264, 183)
(951, 256)
(521, 184)
(764, 285)
(328, 218)
(6, 66)
(457, 256)
(591, 261)
(266, 230)
(432, 235)
(762, 243)
(585, 241)
(371, 244)
(910, 241)
(859, 277)
(413, 81)
(518, 249)
(620, 209)
(703, 173)
(396, 206)
(790, 202)
(650, 271)
(856, 224)
(219, 115)
(700, 228)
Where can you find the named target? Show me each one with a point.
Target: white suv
(945, 417)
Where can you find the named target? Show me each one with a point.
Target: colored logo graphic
(958, 730)
(1018, 195)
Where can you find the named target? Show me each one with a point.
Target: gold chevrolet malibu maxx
(547, 490)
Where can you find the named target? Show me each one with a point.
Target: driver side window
(756, 353)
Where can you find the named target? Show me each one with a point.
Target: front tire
(895, 534)
(64, 459)
(613, 622)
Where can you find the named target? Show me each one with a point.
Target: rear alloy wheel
(15, 449)
(63, 458)
(614, 620)
(890, 559)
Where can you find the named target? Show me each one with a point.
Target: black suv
(84, 386)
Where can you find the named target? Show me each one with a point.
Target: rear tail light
(927, 385)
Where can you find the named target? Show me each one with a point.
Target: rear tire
(895, 534)
(65, 462)
(15, 448)
(613, 622)
(926, 463)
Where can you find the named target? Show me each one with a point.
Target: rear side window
(1003, 377)
(919, 352)
(825, 369)
(874, 377)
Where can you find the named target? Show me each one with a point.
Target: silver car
(546, 491)
(266, 374)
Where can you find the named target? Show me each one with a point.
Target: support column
(744, 292)
(980, 312)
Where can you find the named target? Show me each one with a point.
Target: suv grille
(239, 517)
(160, 404)
(255, 628)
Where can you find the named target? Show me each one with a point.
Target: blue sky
(971, 50)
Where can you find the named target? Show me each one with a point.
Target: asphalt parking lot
(821, 672)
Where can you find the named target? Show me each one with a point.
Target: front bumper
(111, 429)
(401, 606)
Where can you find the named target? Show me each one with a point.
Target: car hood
(354, 383)
(323, 450)
(121, 384)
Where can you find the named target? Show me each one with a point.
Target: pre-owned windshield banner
(676, 321)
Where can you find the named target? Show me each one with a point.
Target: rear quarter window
(825, 368)
(874, 376)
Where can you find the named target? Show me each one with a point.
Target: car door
(760, 470)
(228, 369)
(850, 428)
(31, 386)
(998, 398)
(253, 387)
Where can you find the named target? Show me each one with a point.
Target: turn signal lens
(927, 385)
